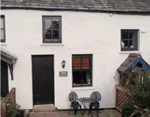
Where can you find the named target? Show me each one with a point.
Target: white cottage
(52, 47)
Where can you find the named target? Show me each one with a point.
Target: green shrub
(128, 109)
(12, 109)
(139, 104)
(141, 89)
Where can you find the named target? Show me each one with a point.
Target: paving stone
(53, 114)
(32, 114)
(40, 114)
(103, 113)
(113, 113)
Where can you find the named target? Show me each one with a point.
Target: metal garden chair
(96, 96)
(73, 97)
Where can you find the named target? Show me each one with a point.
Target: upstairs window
(82, 70)
(129, 40)
(52, 29)
(2, 28)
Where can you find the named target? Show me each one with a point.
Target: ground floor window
(82, 70)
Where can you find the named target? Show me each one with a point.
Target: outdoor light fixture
(63, 63)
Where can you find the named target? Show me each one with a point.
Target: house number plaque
(63, 73)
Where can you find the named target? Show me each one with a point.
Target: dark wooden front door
(4, 79)
(43, 79)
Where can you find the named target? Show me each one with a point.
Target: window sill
(82, 88)
(52, 44)
(129, 52)
(3, 44)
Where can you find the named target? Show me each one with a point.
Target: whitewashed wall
(82, 33)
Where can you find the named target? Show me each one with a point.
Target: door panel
(43, 79)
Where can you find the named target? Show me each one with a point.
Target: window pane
(1, 22)
(48, 34)
(124, 35)
(124, 44)
(85, 63)
(86, 77)
(55, 34)
(76, 77)
(131, 44)
(131, 35)
(55, 23)
(77, 63)
(1, 34)
(47, 23)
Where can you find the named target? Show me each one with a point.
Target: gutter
(133, 12)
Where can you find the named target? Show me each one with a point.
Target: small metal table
(85, 100)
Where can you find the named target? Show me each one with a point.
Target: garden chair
(73, 97)
(96, 96)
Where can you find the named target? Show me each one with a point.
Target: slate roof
(86, 5)
(131, 61)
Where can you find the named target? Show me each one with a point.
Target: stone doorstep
(48, 108)
(43, 105)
